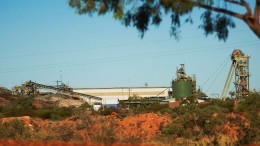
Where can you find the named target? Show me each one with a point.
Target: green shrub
(166, 110)
(21, 107)
(174, 129)
(1, 109)
(64, 133)
(181, 110)
(155, 107)
(54, 113)
(227, 104)
(106, 134)
(251, 106)
(14, 129)
(216, 109)
(193, 121)
(108, 110)
(85, 106)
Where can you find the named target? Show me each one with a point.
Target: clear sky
(45, 41)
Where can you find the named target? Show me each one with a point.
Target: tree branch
(242, 3)
(220, 10)
(234, 2)
(257, 12)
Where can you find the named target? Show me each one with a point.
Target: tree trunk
(253, 25)
(256, 30)
(256, 27)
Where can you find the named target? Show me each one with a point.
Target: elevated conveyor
(31, 88)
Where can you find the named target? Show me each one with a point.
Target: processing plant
(183, 86)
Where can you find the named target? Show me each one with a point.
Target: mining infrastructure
(182, 87)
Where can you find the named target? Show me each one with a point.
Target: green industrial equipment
(183, 86)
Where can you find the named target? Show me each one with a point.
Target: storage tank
(183, 86)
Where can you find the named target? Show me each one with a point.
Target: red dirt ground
(39, 143)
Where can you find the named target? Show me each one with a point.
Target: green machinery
(183, 86)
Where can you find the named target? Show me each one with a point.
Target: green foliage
(218, 24)
(108, 110)
(14, 129)
(84, 116)
(174, 129)
(152, 107)
(1, 109)
(216, 19)
(196, 121)
(227, 104)
(54, 113)
(251, 106)
(217, 109)
(43, 113)
(63, 133)
(21, 107)
(24, 107)
(193, 121)
(156, 107)
(59, 132)
(85, 106)
(142, 105)
(106, 134)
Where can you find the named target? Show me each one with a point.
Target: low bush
(228, 104)
(20, 107)
(53, 113)
(155, 107)
(192, 121)
(250, 105)
(14, 129)
(108, 110)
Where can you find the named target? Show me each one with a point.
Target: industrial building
(183, 86)
(113, 95)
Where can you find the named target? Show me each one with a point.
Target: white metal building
(112, 95)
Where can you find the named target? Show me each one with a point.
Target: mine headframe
(240, 69)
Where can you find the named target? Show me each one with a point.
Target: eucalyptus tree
(216, 18)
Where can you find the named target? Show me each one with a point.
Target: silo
(181, 89)
(183, 86)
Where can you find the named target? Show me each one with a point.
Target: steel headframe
(239, 68)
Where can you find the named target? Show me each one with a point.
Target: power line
(96, 48)
(216, 77)
(145, 54)
(106, 60)
(210, 76)
(123, 58)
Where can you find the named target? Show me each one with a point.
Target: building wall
(123, 93)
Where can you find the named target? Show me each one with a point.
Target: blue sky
(46, 40)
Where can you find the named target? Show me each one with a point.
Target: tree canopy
(216, 19)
